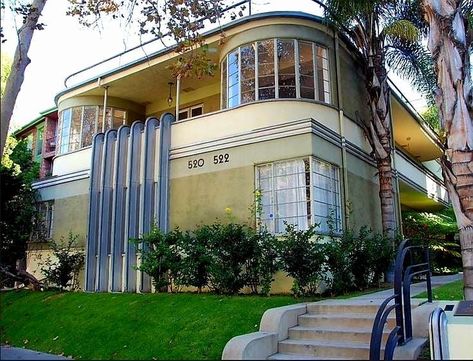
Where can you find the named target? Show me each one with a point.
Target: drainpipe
(105, 99)
(344, 190)
(397, 195)
(178, 90)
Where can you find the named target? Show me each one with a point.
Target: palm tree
(450, 38)
(376, 29)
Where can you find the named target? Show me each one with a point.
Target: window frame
(189, 110)
(98, 125)
(311, 159)
(327, 96)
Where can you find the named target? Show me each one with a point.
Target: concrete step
(342, 308)
(342, 320)
(289, 356)
(324, 348)
(362, 335)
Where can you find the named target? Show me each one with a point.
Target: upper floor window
(300, 192)
(191, 112)
(275, 69)
(78, 125)
(39, 140)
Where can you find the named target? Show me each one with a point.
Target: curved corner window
(275, 69)
(78, 125)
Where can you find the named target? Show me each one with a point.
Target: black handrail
(403, 276)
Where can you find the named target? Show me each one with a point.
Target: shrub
(160, 257)
(437, 230)
(231, 248)
(357, 260)
(64, 268)
(264, 263)
(303, 259)
(196, 258)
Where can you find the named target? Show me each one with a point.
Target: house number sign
(220, 158)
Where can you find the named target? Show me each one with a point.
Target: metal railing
(405, 270)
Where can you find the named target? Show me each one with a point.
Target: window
(39, 140)
(78, 125)
(191, 112)
(44, 225)
(300, 192)
(275, 68)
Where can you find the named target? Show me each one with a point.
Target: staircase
(333, 329)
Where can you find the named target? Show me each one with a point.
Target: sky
(64, 47)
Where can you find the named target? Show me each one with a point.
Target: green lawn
(450, 291)
(130, 326)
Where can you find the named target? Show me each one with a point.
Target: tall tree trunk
(378, 131)
(20, 62)
(448, 42)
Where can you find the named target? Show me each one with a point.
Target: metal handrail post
(429, 275)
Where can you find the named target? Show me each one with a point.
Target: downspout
(105, 99)
(344, 189)
(178, 90)
(397, 194)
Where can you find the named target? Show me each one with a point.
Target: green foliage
(452, 291)
(264, 262)
(232, 247)
(432, 117)
(17, 205)
(160, 257)
(5, 64)
(437, 230)
(357, 260)
(196, 258)
(62, 269)
(302, 256)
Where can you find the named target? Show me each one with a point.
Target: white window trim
(315, 46)
(311, 159)
(189, 110)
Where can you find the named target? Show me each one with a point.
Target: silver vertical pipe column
(149, 165)
(133, 185)
(94, 206)
(163, 182)
(105, 216)
(118, 209)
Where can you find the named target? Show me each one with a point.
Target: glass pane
(88, 125)
(247, 73)
(39, 141)
(75, 129)
(306, 70)
(233, 79)
(323, 75)
(64, 130)
(183, 114)
(119, 117)
(108, 119)
(266, 81)
(286, 69)
(224, 83)
(196, 111)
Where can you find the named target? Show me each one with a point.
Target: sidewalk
(416, 288)
(14, 353)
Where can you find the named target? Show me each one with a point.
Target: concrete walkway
(14, 353)
(416, 288)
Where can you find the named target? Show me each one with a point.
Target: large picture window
(78, 125)
(275, 68)
(300, 192)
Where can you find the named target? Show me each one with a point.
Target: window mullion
(276, 70)
(239, 76)
(81, 126)
(256, 72)
(296, 65)
(316, 75)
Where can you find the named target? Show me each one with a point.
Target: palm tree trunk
(449, 43)
(20, 62)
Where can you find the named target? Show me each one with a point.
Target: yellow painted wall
(70, 215)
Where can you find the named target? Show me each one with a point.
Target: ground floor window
(300, 192)
(44, 223)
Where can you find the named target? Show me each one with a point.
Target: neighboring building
(280, 116)
(41, 136)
